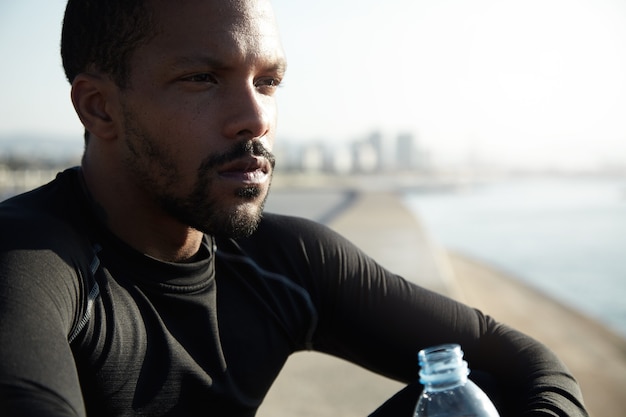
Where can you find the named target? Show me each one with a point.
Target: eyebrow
(278, 65)
(184, 61)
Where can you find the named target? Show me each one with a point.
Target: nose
(250, 114)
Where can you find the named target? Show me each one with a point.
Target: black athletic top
(89, 326)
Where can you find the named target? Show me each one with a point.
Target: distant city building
(366, 157)
(406, 152)
(375, 144)
(409, 155)
(370, 153)
(313, 158)
(341, 161)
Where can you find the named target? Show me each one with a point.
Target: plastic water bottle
(447, 390)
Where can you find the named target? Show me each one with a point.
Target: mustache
(237, 151)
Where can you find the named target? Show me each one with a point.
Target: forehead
(236, 27)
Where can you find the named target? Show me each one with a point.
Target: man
(148, 281)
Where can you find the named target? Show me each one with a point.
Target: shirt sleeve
(39, 298)
(378, 320)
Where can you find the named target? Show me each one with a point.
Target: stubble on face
(205, 212)
(156, 173)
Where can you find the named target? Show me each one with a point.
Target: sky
(538, 83)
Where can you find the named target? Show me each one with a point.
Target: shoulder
(291, 228)
(287, 222)
(45, 250)
(284, 240)
(50, 210)
(45, 226)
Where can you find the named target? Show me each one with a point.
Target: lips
(248, 170)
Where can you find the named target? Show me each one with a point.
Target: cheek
(186, 137)
(194, 126)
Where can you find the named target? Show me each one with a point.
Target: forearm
(385, 333)
(531, 380)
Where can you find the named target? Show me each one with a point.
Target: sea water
(564, 236)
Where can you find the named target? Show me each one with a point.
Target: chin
(244, 216)
(242, 222)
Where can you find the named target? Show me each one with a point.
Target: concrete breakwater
(379, 223)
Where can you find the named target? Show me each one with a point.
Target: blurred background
(500, 123)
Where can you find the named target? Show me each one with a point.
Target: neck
(137, 222)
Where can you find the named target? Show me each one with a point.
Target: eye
(205, 78)
(268, 84)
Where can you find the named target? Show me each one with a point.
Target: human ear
(92, 96)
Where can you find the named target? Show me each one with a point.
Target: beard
(206, 213)
(157, 173)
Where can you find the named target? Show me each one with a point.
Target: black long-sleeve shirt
(89, 326)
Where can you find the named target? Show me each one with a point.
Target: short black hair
(101, 35)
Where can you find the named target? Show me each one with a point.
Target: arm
(378, 320)
(38, 298)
